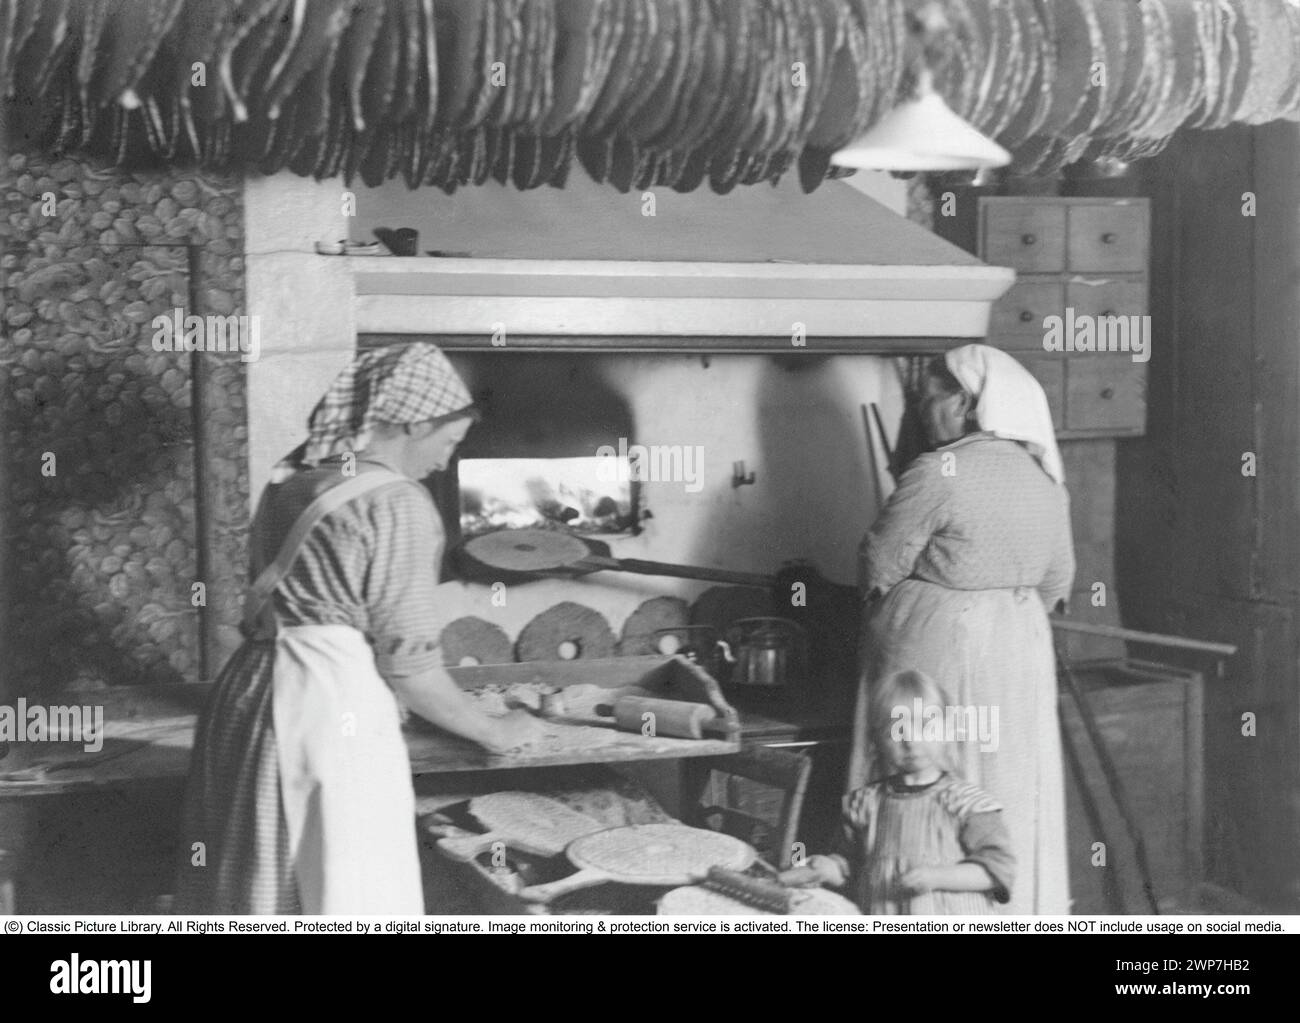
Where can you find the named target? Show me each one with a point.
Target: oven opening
(591, 496)
(554, 450)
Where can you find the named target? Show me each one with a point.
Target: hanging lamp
(923, 133)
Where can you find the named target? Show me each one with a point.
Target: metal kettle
(769, 653)
(698, 643)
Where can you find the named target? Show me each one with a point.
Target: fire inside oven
(589, 495)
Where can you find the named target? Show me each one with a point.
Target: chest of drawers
(1081, 266)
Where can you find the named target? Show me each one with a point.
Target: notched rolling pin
(673, 718)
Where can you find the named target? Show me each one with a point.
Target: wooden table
(149, 733)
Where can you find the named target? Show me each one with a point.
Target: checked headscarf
(397, 384)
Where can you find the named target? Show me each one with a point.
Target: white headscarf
(1009, 402)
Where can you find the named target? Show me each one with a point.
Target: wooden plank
(1253, 766)
(1205, 551)
(961, 278)
(1277, 362)
(644, 344)
(443, 754)
(149, 729)
(1146, 638)
(1090, 477)
(132, 754)
(935, 315)
(145, 750)
(1215, 412)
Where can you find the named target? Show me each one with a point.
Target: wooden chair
(776, 769)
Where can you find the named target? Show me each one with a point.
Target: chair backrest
(776, 768)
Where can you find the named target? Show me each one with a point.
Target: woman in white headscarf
(300, 797)
(958, 573)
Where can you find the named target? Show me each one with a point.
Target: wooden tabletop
(149, 732)
(813, 714)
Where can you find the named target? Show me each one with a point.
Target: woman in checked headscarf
(300, 794)
(971, 551)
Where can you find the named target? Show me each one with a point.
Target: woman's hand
(438, 700)
(513, 731)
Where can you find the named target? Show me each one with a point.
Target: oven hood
(762, 268)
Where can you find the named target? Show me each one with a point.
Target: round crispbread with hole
(567, 631)
(471, 640)
(638, 636)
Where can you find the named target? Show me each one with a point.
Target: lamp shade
(922, 134)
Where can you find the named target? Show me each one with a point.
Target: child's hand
(818, 870)
(956, 877)
(800, 877)
(920, 880)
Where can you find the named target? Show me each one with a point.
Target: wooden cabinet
(1024, 235)
(1105, 296)
(1017, 318)
(1103, 393)
(1107, 237)
(1081, 266)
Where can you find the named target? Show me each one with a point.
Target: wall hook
(738, 475)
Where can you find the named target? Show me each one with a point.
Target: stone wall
(104, 529)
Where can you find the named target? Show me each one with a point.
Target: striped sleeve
(405, 541)
(982, 832)
(985, 841)
(961, 799)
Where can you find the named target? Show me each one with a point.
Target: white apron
(345, 777)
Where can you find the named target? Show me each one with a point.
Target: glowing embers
(579, 494)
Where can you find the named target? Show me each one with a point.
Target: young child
(918, 839)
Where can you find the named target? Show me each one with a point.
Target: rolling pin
(676, 718)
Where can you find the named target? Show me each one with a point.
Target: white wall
(800, 431)
(586, 220)
(886, 190)
(304, 302)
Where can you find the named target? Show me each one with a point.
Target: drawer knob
(1029, 239)
(1108, 393)
(1109, 238)
(1026, 316)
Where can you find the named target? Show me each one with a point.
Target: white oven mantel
(858, 277)
(673, 305)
